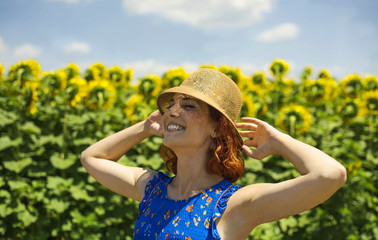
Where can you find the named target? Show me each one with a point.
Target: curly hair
(225, 160)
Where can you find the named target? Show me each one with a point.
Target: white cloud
(27, 51)
(3, 46)
(281, 32)
(77, 47)
(203, 14)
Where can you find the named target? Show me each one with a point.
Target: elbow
(83, 158)
(340, 175)
(344, 175)
(336, 176)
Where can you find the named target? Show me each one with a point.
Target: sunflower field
(48, 118)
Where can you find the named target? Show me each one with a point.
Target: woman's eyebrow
(189, 99)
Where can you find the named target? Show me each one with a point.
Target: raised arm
(100, 159)
(255, 204)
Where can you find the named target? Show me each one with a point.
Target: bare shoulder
(145, 176)
(238, 220)
(235, 222)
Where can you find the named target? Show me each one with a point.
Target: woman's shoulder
(159, 177)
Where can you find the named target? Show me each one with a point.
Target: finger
(246, 126)
(251, 153)
(247, 150)
(249, 143)
(248, 134)
(251, 120)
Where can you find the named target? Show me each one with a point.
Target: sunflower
(211, 66)
(31, 97)
(324, 73)
(248, 86)
(136, 109)
(174, 77)
(279, 68)
(351, 86)
(118, 77)
(234, 73)
(101, 94)
(369, 103)
(256, 81)
(54, 80)
(370, 83)
(294, 119)
(24, 71)
(307, 71)
(349, 109)
(288, 86)
(253, 106)
(1, 73)
(320, 91)
(248, 108)
(96, 71)
(259, 78)
(72, 71)
(150, 86)
(76, 90)
(129, 74)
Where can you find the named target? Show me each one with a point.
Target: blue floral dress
(192, 218)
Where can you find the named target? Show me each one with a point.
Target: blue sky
(153, 36)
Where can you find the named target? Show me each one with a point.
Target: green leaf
(17, 185)
(51, 139)
(83, 141)
(2, 182)
(100, 210)
(58, 182)
(4, 194)
(31, 128)
(57, 205)
(79, 193)
(6, 142)
(17, 165)
(67, 226)
(5, 210)
(36, 173)
(26, 218)
(62, 162)
(76, 120)
(7, 118)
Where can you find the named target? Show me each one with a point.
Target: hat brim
(166, 96)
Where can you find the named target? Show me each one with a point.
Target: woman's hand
(261, 136)
(154, 124)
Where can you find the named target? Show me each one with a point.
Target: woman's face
(187, 123)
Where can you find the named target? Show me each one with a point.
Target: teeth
(173, 127)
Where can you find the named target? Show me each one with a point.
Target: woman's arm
(100, 159)
(255, 204)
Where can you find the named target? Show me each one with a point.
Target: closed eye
(189, 106)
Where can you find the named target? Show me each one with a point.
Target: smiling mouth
(174, 127)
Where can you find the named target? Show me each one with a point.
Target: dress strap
(221, 197)
(145, 202)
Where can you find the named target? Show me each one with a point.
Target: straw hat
(211, 87)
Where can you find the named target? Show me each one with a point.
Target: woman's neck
(191, 177)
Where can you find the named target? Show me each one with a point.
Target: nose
(174, 111)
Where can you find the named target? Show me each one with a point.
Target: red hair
(226, 159)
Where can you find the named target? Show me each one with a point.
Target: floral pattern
(192, 218)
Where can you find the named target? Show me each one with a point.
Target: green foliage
(46, 193)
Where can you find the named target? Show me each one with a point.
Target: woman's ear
(214, 134)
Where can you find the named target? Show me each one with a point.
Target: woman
(202, 147)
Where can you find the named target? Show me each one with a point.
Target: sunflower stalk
(293, 120)
(100, 103)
